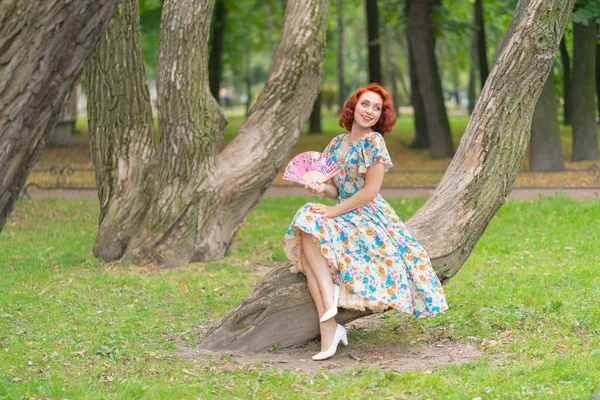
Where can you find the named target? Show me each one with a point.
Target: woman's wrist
(330, 191)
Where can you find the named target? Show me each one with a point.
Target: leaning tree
(177, 199)
(451, 222)
(43, 48)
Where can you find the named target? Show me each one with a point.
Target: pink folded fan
(310, 167)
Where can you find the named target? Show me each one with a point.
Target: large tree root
(280, 311)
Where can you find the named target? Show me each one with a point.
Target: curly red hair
(388, 111)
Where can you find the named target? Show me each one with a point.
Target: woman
(358, 254)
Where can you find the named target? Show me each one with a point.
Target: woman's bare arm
(373, 181)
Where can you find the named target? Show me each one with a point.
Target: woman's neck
(357, 132)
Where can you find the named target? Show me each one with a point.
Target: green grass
(73, 327)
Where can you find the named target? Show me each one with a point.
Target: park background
(522, 305)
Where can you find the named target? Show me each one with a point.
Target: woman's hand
(327, 211)
(316, 188)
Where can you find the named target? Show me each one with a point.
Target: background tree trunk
(215, 60)
(197, 198)
(392, 78)
(43, 48)
(598, 77)
(583, 86)
(270, 26)
(315, 117)
(545, 150)
(566, 64)
(248, 79)
(481, 45)
(420, 121)
(422, 45)
(472, 70)
(340, 55)
(472, 89)
(472, 190)
(121, 131)
(374, 41)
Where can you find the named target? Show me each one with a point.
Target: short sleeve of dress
(374, 151)
(330, 146)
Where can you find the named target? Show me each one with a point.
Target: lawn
(74, 327)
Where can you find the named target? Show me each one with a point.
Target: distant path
(391, 192)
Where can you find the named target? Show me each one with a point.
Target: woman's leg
(328, 327)
(319, 267)
(313, 286)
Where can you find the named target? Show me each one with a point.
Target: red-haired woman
(358, 253)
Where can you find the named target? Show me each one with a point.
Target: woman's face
(368, 109)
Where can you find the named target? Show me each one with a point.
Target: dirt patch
(389, 357)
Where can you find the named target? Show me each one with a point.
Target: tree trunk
(472, 190)
(401, 77)
(585, 136)
(248, 79)
(270, 27)
(472, 89)
(121, 131)
(62, 134)
(421, 37)
(197, 198)
(545, 150)
(43, 48)
(391, 69)
(315, 117)
(374, 41)
(420, 121)
(215, 61)
(472, 71)
(598, 76)
(566, 64)
(481, 45)
(340, 55)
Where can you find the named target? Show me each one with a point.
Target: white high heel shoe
(340, 334)
(334, 307)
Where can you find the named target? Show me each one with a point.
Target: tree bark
(566, 64)
(583, 86)
(391, 69)
(215, 61)
(315, 117)
(598, 77)
(422, 40)
(374, 41)
(121, 130)
(481, 45)
(472, 190)
(472, 89)
(43, 48)
(197, 198)
(545, 150)
(248, 78)
(270, 26)
(472, 71)
(340, 55)
(420, 121)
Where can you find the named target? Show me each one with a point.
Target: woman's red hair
(388, 112)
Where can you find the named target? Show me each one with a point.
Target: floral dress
(371, 255)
